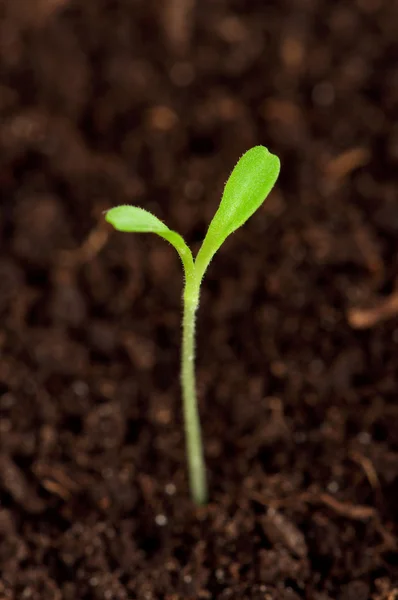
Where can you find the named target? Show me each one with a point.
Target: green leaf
(246, 189)
(132, 219)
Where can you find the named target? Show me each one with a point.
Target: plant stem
(193, 438)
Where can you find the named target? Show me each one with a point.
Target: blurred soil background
(152, 102)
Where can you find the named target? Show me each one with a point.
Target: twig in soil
(370, 251)
(248, 185)
(55, 480)
(343, 509)
(382, 309)
(91, 246)
(348, 161)
(49, 7)
(356, 512)
(35, 13)
(359, 512)
(13, 480)
(177, 17)
(368, 469)
(279, 529)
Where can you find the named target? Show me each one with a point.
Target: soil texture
(152, 102)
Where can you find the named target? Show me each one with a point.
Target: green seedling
(247, 187)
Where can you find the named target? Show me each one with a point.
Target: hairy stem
(193, 439)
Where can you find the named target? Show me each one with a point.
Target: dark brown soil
(151, 102)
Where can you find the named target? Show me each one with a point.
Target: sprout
(247, 187)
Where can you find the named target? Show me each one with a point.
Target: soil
(151, 102)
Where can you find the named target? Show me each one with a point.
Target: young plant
(247, 187)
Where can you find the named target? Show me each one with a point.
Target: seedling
(248, 185)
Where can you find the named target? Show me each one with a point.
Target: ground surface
(119, 101)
